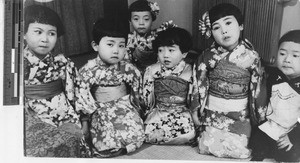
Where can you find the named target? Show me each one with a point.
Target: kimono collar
(175, 71)
(143, 42)
(278, 76)
(100, 63)
(34, 60)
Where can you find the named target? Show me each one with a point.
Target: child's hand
(283, 142)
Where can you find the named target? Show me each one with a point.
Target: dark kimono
(116, 125)
(166, 94)
(225, 81)
(278, 108)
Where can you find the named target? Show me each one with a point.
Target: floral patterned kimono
(166, 95)
(225, 81)
(116, 125)
(56, 95)
(139, 50)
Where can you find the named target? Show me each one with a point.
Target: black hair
(110, 28)
(44, 15)
(140, 5)
(225, 9)
(171, 36)
(291, 36)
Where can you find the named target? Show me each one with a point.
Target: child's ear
(184, 54)
(94, 45)
(241, 27)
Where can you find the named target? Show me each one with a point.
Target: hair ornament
(205, 25)
(154, 7)
(166, 25)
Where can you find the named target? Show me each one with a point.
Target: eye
(52, 33)
(110, 44)
(215, 28)
(296, 55)
(281, 53)
(38, 32)
(122, 46)
(228, 23)
(171, 50)
(160, 50)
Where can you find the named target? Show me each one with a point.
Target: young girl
(54, 92)
(279, 136)
(227, 75)
(116, 126)
(167, 88)
(139, 47)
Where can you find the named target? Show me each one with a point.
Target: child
(116, 127)
(139, 47)
(227, 75)
(167, 88)
(54, 92)
(279, 136)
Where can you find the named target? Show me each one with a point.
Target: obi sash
(171, 93)
(44, 91)
(109, 93)
(229, 81)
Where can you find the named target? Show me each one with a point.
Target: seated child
(227, 75)
(54, 91)
(139, 47)
(279, 136)
(167, 88)
(116, 126)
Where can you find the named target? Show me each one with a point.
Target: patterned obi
(229, 81)
(109, 93)
(142, 59)
(171, 93)
(44, 91)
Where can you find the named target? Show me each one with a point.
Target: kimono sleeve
(148, 89)
(134, 79)
(77, 91)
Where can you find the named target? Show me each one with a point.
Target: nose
(44, 37)
(224, 30)
(288, 58)
(141, 21)
(115, 50)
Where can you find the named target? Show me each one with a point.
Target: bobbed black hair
(110, 28)
(171, 36)
(290, 36)
(140, 5)
(44, 15)
(225, 9)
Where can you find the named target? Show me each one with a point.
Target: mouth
(226, 38)
(166, 62)
(44, 47)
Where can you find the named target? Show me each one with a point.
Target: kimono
(55, 95)
(278, 109)
(166, 95)
(139, 50)
(225, 81)
(116, 126)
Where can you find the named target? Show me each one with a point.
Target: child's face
(226, 32)
(288, 59)
(41, 38)
(170, 56)
(141, 21)
(111, 50)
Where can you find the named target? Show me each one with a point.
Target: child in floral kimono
(167, 89)
(139, 47)
(54, 92)
(227, 77)
(278, 136)
(116, 126)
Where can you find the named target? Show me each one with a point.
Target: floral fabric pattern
(116, 124)
(73, 101)
(226, 133)
(168, 118)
